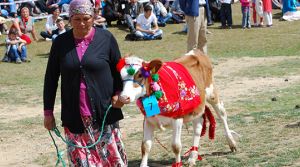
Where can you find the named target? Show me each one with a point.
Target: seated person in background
(143, 25)
(51, 24)
(25, 24)
(62, 4)
(31, 5)
(15, 48)
(41, 6)
(167, 3)
(132, 10)
(99, 21)
(160, 12)
(60, 28)
(290, 6)
(8, 10)
(177, 13)
(110, 12)
(3, 26)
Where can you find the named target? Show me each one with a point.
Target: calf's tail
(212, 123)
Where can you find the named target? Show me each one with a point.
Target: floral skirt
(109, 152)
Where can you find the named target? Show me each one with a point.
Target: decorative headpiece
(81, 7)
(120, 64)
(146, 73)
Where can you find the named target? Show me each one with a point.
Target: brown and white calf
(200, 68)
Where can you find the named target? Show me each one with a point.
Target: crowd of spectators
(133, 14)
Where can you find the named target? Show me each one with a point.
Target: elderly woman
(85, 60)
(25, 24)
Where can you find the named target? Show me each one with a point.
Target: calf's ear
(155, 65)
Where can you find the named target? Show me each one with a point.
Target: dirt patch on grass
(28, 144)
(232, 87)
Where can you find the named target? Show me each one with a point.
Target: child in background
(226, 13)
(267, 8)
(246, 13)
(254, 15)
(15, 48)
(60, 28)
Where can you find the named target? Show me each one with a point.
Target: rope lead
(60, 154)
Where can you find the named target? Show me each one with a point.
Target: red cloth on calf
(180, 94)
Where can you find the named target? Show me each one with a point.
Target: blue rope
(59, 154)
(134, 81)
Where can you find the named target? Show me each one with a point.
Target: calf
(136, 75)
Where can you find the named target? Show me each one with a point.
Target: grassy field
(256, 70)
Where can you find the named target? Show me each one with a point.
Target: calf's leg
(176, 140)
(147, 142)
(197, 128)
(212, 98)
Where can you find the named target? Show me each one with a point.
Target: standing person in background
(226, 14)
(196, 21)
(255, 15)
(208, 14)
(85, 60)
(25, 24)
(245, 7)
(267, 8)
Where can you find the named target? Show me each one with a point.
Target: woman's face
(56, 12)
(82, 22)
(25, 12)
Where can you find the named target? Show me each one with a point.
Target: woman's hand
(49, 122)
(116, 102)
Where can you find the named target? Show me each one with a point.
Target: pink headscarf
(81, 7)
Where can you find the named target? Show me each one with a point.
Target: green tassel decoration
(155, 77)
(158, 94)
(130, 71)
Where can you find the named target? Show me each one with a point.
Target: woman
(85, 58)
(267, 8)
(51, 24)
(25, 24)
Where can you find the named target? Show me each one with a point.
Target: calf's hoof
(192, 158)
(233, 148)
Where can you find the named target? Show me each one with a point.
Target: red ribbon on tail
(212, 123)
